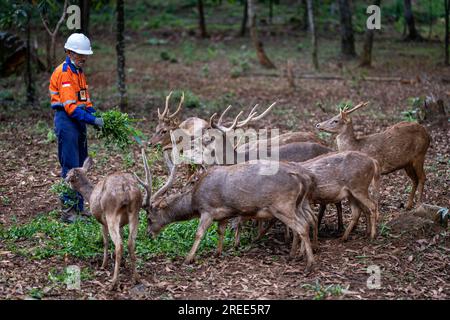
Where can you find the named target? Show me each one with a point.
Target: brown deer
(345, 175)
(402, 146)
(115, 202)
(295, 152)
(168, 122)
(224, 192)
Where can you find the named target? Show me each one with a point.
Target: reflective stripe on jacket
(65, 84)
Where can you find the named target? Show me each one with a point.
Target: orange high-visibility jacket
(69, 92)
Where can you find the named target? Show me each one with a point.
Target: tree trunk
(201, 19)
(366, 55)
(413, 35)
(270, 11)
(85, 6)
(48, 52)
(262, 57)
(347, 38)
(305, 15)
(53, 34)
(244, 19)
(312, 30)
(120, 49)
(31, 98)
(430, 7)
(447, 31)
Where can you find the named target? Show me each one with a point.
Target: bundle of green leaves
(118, 130)
(62, 188)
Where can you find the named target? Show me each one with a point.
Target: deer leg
(420, 173)
(203, 225)
(237, 234)
(370, 207)
(312, 220)
(356, 212)
(131, 247)
(114, 231)
(299, 225)
(294, 246)
(287, 234)
(322, 208)
(410, 171)
(339, 214)
(222, 226)
(262, 232)
(105, 245)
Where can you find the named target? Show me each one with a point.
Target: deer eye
(335, 121)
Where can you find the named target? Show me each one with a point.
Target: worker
(71, 100)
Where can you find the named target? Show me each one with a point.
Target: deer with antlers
(401, 146)
(194, 126)
(168, 122)
(225, 192)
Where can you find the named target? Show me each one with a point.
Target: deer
(295, 152)
(194, 126)
(225, 192)
(168, 122)
(115, 201)
(401, 146)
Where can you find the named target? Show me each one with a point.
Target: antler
(362, 104)
(219, 125)
(165, 114)
(252, 114)
(179, 106)
(148, 180)
(172, 170)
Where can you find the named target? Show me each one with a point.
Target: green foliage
(344, 105)
(157, 42)
(240, 64)
(36, 293)
(167, 56)
(411, 114)
(82, 239)
(191, 101)
(5, 200)
(51, 136)
(118, 130)
(14, 13)
(62, 188)
(321, 292)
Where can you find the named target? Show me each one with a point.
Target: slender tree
(120, 49)
(244, 19)
(31, 92)
(366, 55)
(413, 34)
(447, 31)
(201, 19)
(305, 15)
(312, 31)
(52, 49)
(85, 6)
(270, 11)
(347, 38)
(262, 57)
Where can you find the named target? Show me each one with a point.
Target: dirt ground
(413, 263)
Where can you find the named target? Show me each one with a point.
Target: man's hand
(99, 122)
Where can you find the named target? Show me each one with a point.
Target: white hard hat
(79, 43)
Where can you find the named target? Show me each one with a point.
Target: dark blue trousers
(72, 150)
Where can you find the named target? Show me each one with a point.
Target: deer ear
(87, 165)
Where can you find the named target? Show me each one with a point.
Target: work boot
(86, 213)
(70, 215)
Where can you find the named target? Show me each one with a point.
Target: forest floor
(413, 257)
